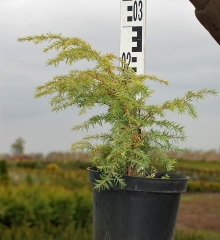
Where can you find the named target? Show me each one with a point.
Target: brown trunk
(129, 170)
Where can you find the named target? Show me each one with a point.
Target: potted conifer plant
(131, 199)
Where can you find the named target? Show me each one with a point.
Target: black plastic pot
(146, 209)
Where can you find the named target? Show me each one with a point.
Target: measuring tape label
(132, 35)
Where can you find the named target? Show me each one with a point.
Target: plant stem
(129, 170)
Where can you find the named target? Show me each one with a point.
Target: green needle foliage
(139, 135)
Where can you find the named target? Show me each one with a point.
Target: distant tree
(18, 146)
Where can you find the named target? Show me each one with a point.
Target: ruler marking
(134, 59)
(129, 18)
(135, 69)
(137, 39)
(132, 43)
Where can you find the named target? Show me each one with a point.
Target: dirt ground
(199, 212)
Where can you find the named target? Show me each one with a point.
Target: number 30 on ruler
(132, 35)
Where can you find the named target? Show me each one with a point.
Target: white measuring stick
(132, 35)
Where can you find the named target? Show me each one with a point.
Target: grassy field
(199, 213)
(52, 200)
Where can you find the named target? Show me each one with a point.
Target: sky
(178, 49)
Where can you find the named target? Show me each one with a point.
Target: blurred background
(49, 197)
(44, 192)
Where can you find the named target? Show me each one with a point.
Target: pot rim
(176, 184)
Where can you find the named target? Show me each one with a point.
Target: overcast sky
(178, 49)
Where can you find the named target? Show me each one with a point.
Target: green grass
(203, 166)
(46, 232)
(195, 197)
(196, 235)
